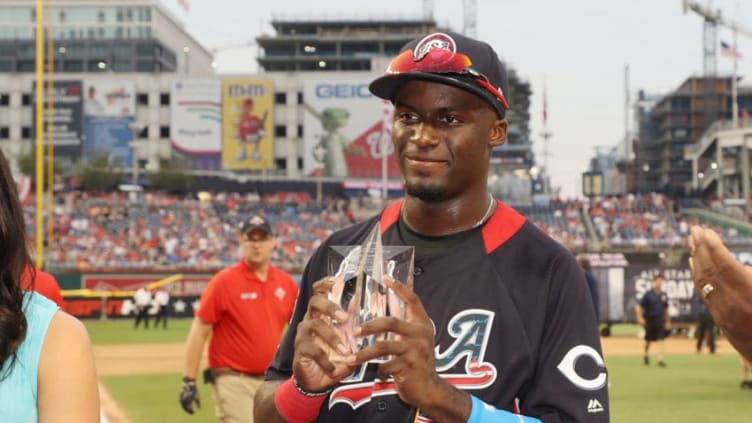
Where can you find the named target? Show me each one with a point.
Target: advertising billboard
(66, 125)
(677, 285)
(347, 130)
(196, 123)
(109, 110)
(247, 124)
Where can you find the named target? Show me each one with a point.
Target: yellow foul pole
(50, 121)
(39, 146)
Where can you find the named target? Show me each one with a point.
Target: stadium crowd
(112, 231)
(94, 231)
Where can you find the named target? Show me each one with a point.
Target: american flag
(729, 50)
(422, 418)
(185, 5)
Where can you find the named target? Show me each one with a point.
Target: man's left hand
(412, 365)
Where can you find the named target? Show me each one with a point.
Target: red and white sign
(191, 284)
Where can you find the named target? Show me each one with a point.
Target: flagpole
(546, 134)
(384, 147)
(545, 129)
(626, 114)
(734, 104)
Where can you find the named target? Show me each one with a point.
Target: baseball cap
(448, 58)
(255, 223)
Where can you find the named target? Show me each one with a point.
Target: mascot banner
(247, 124)
(347, 131)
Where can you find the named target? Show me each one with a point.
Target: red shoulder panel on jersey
(390, 215)
(503, 224)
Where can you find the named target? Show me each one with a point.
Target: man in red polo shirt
(245, 307)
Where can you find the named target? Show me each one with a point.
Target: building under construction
(302, 45)
(675, 123)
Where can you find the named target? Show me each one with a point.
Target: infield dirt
(133, 359)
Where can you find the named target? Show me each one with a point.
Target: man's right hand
(312, 367)
(189, 395)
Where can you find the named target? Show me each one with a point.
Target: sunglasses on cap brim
(438, 60)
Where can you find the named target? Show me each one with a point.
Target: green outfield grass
(155, 399)
(624, 329)
(693, 388)
(121, 331)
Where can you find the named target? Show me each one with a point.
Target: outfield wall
(621, 284)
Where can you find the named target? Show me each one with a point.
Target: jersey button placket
(418, 270)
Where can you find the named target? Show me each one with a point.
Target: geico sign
(342, 91)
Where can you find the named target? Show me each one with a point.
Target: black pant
(706, 324)
(161, 316)
(142, 313)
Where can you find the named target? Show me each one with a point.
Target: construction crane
(470, 21)
(713, 19)
(428, 9)
(470, 15)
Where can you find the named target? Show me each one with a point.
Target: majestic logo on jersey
(594, 406)
(567, 368)
(470, 329)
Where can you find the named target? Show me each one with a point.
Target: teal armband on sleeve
(486, 413)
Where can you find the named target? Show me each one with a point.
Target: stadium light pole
(39, 126)
(50, 137)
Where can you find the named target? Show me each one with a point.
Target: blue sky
(578, 47)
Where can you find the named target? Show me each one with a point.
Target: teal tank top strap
(18, 391)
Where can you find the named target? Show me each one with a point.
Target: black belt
(221, 371)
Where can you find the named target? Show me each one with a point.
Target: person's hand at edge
(725, 285)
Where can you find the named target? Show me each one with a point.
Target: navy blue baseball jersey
(654, 304)
(513, 318)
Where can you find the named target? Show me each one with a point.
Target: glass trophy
(358, 272)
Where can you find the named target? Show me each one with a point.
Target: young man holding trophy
(478, 315)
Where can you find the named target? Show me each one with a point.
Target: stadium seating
(167, 232)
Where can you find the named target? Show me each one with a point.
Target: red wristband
(294, 406)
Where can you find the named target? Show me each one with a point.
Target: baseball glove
(189, 395)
